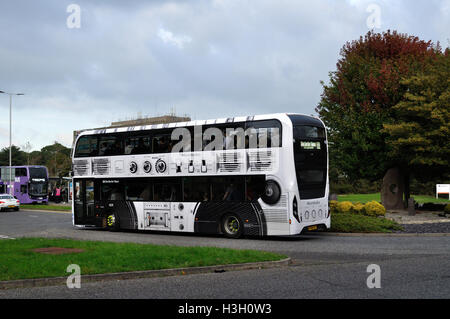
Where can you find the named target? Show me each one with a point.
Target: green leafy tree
(18, 157)
(57, 159)
(419, 138)
(361, 96)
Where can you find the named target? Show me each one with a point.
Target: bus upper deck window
(86, 146)
(305, 132)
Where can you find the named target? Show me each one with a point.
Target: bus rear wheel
(232, 226)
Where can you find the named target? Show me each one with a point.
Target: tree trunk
(392, 189)
(407, 189)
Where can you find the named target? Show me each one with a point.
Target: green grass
(18, 261)
(354, 223)
(364, 198)
(46, 207)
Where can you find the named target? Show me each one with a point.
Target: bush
(341, 188)
(333, 206)
(447, 209)
(359, 208)
(360, 186)
(355, 223)
(374, 209)
(344, 207)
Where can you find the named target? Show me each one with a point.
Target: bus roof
(284, 117)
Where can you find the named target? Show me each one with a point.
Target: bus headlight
(272, 192)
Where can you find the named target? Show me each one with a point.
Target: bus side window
(111, 192)
(162, 142)
(110, 145)
(196, 189)
(234, 136)
(86, 146)
(23, 189)
(262, 134)
(228, 188)
(21, 172)
(138, 190)
(167, 191)
(140, 144)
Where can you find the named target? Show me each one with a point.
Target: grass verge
(354, 223)
(18, 261)
(364, 198)
(47, 207)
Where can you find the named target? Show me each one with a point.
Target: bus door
(84, 196)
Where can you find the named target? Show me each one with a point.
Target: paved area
(323, 266)
(421, 217)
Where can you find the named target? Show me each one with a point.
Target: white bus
(258, 175)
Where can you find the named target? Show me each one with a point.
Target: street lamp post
(11, 184)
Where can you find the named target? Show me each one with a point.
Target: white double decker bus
(257, 175)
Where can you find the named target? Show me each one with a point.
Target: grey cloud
(243, 57)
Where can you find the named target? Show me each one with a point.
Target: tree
(27, 148)
(18, 157)
(419, 139)
(57, 159)
(361, 96)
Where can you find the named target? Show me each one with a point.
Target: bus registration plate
(310, 228)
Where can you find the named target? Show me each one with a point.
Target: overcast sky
(207, 59)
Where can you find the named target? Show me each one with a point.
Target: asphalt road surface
(323, 266)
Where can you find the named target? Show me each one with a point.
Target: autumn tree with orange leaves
(360, 97)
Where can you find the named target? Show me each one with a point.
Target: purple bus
(30, 183)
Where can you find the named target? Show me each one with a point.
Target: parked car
(9, 202)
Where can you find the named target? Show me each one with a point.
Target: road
(323, 266)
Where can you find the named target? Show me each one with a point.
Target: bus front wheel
(232, 226)
(112, 224)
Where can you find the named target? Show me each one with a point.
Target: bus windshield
(310, 157)
(38, 189)
(38, 173)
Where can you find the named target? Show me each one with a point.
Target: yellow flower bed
(372, 208)
(358, 208)
(344, 207)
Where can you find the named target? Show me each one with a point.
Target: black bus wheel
(112, 224)
(232, 226)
